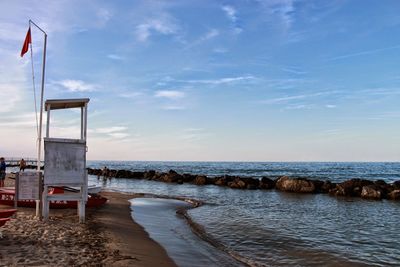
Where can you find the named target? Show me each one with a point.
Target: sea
(265, 227)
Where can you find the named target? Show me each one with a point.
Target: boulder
(352, 187)
(327, 186)
(188, 178)
(149, 174)
(238, 183)
(172, 177)
(200, 180)
(266, 183)
(371, 192)
(396, 185)
(297, 185)
(394, 195)
(220, 181)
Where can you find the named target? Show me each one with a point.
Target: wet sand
(108, 238)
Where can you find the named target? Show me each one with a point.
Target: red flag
(28, 40)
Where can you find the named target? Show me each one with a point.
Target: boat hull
(7, 213)
(3, 221)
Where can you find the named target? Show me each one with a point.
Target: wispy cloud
(207, 36)
(76, 85)
(283, 10)
(174, 107)
(103, 16)
(115, 132)
(131, 95)
(363, 53)
(330, 106)
(294, 70)
(194, 134)
(231, 13)
(164, 25)
(170, 94)
(115, 57)
(227, 80)
(110, 129)
(299, 106)
(119, 135)
(295, 97)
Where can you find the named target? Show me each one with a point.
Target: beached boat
(7, 213)
(7, 198)
(92, 189)
(3, 221)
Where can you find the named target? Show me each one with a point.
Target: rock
(188, 178)
(238, 183)
(327, 186)
(149, 174)
(171, 177)
(266, 183)
(396, 185)
(352, 187)
(371, 192)
(200, 180)
(220, 181)
(394, 195)
(297, 185)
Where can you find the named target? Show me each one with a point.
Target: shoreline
(109, 237)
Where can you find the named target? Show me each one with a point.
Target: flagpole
(41, 96)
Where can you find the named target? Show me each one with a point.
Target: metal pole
(41, 115)
(41, 97)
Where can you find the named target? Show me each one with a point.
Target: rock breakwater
(363, 188)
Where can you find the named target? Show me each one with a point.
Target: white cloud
(109, 130)
(295, 97)
(228, 80)
(174, 108)
(210, 34)
(115, 57)
(119, 135)
(330, 106)
(131, 95)
(76, 85)
(363, 53)
(170, 94)
(162, 26)
(283, 10)
(300, 106)
(193, 134)
(230, 12)
(103, 16)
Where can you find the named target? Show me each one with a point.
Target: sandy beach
(108, 238)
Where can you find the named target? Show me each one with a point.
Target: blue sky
(251, 80)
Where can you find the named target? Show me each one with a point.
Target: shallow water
(272, 228)
(184, 247)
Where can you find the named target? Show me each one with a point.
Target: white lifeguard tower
(65, 160)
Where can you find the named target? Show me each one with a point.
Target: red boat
(3, 221)
(7, 213)
(7, 198)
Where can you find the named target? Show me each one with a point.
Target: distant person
(2, 171)
(104, 172)
(22, 165)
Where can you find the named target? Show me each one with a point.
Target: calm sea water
(270, 228)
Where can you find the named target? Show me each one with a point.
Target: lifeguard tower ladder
(65, 160)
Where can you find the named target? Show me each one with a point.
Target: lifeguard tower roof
(65, 103)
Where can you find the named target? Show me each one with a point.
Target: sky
(249, 80)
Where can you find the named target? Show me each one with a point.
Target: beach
(109, 237)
